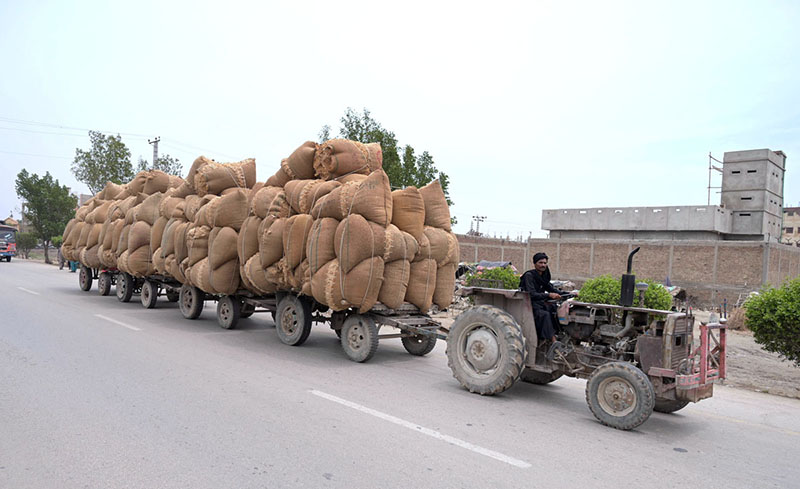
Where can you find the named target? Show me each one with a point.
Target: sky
(524, 105)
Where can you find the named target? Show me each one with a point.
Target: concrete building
(751, 209)
(791, 226)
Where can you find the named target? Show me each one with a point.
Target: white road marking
(425, 431)
(28, 291)
(117, 322)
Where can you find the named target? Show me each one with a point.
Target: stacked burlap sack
(325, 225)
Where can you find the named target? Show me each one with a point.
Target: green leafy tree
(25, 243)
(411, 169)
(57, 240)
(165, 163)
(48, 205)
(774, 317)
(108, 160)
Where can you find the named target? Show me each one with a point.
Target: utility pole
(154, 142)
(478, 221)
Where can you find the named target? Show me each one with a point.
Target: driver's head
(540, 262)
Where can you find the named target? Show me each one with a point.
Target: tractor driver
(537, 283)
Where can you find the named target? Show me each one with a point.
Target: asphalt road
(95, 393)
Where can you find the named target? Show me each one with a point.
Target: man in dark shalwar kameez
(537, 283)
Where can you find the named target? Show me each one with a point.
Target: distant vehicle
(8, 242)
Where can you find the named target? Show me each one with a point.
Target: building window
(788, 230)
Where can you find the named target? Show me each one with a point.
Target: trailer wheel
(486, 350)
(104, 283)
(247, 310)
(149, 295)
(620, 395)
(124, 287)
(229, 310)
(359, 337)
(85, 278)
(669, 405)
(173, 295)
(540, 378)
(293, 320)
(191, 301)
(419, 345)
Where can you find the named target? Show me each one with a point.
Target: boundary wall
(709, 271)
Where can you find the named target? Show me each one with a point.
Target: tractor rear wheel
(486, 350)
(620, 395)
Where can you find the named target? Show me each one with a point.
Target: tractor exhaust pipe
(628, 283)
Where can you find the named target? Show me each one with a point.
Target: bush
(56, 241)
(509, 278)
(26, 242)
(774, 317)
(606, 289)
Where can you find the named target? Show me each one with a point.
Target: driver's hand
(553, 295)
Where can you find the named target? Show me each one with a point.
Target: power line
(59, 126)
(31, 154)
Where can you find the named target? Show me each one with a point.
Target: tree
(774, 317)
(108, 160)
(25, 243)
(165, 163)
(48, 205)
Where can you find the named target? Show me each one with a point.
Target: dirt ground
(749, 366)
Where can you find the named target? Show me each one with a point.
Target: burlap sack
(262, 200)
(371, 198)
(395, 283)
(156, 181)
(199, 163)
(176, 182)
(181, 242)
(295, 235)
(100, 213)
(215, 177)
(399, 245)
(408, 211)
(437, 213)
(247, 245)
(279, 179)
(90, 257)
(157, 232)
(298, 276)
(199, 276)
(147, 211)
(172, 207)
(167, 246)
(453, 251)
(303, 194)
(183, 190)
(353, 177)
(445, 285)
(326, 287)
(174, 269)
(356, 240)
(279, 207)
(93, 238)
(423, 249)
(320, 249)
(422, 284)
(223, 261)
(359, 288)
(339, 157)
(201, 218)
(82, 212)
(270, 244)
(65, 236)
(159, 263)
(192, 205)
(440, 243)
(300, 164)
(122, 244)
(255, 274)
(115, 235)
(111, 191)
(136, 186)
(197, 243)
(229, 210)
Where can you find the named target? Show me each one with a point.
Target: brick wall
(710, 271)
